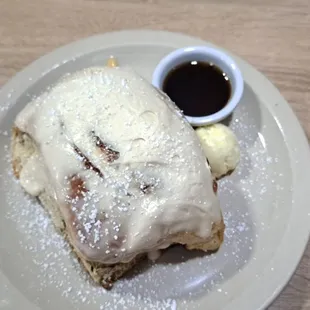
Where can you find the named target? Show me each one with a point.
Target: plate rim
(294, 138)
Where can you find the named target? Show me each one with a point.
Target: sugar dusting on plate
(174, 278)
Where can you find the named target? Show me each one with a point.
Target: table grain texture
(272, 35)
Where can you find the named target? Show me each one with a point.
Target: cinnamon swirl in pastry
(118, 168)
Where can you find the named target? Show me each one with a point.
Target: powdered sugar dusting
(119, 195)
(54, 263)
(179, 276)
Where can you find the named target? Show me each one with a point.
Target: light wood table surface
(274, 36)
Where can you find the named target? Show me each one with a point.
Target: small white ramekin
(206, 54)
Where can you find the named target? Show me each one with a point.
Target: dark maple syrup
(198, 88)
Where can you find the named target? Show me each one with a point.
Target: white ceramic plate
(265, 202)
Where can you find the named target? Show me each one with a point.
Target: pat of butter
(221, 148)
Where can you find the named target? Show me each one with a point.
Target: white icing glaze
(32, 176)
(119, 216)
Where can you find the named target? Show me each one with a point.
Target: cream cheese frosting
(124, 166)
